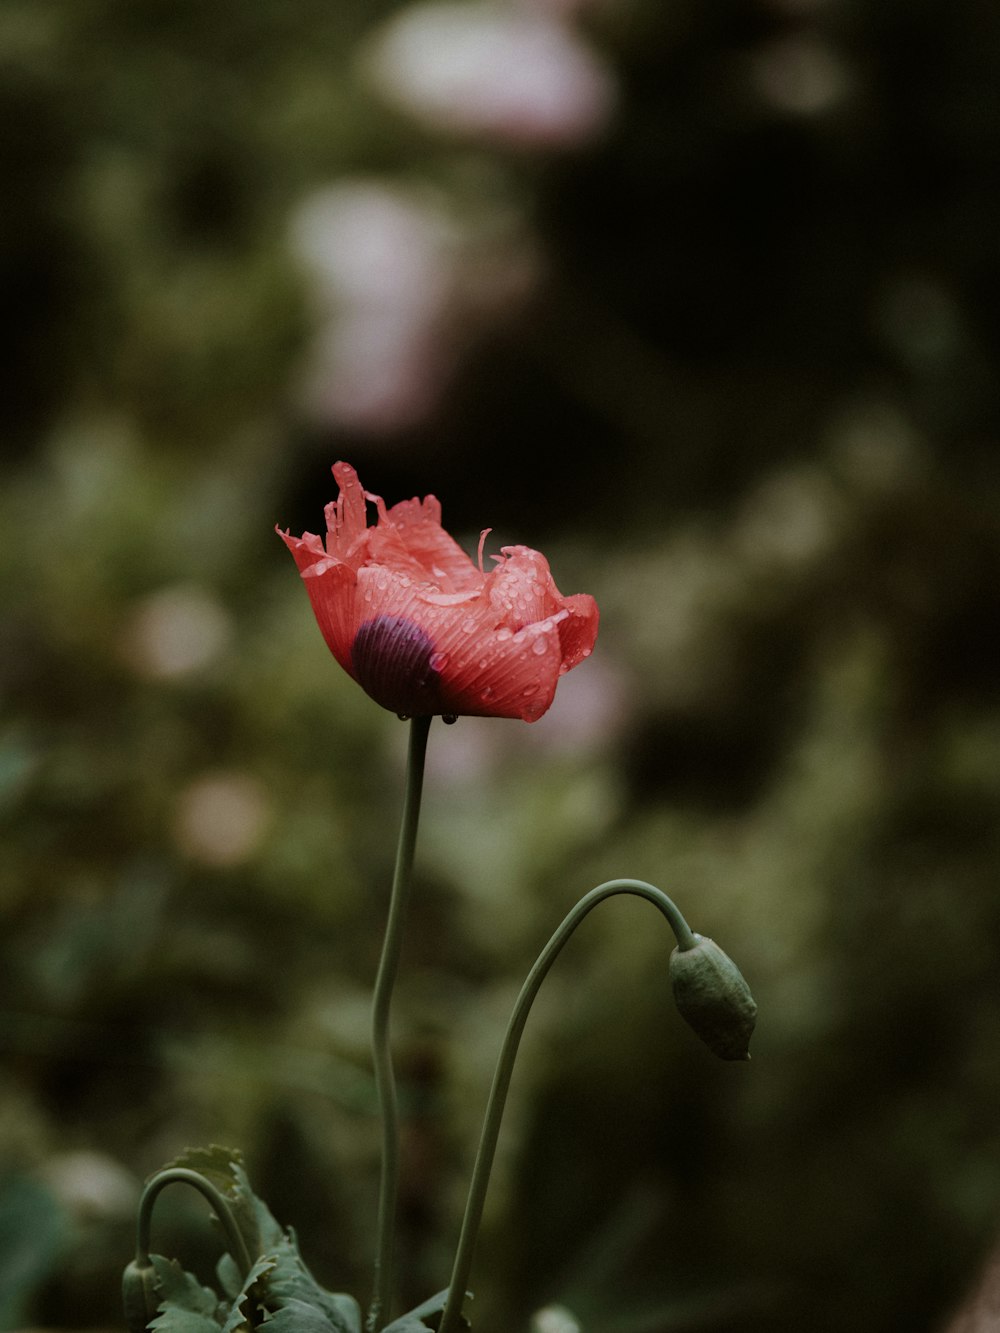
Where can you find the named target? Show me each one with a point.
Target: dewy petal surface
(421, 628)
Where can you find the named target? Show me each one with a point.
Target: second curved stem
(450, 1319)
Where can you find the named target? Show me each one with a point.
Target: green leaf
(238, 1318)
(423, 1317)
(292, 1286)
(228, 1273)
(223, 1167)
(269, 1233)
(185, 1305)
(297, 1316)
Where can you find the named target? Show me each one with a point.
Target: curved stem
(385, 1083)
(505, 1067)
(183, 1175)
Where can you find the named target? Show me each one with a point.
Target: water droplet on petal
(438, 661)
(487, 694)
(538, 647)
(505, 634)
(483, 663)
(528, 691)
(468, 625)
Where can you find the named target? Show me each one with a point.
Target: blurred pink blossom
(515, 75)
(221, 818)
(594, 708)
(175, 631)
(399, 288)
(381, 274)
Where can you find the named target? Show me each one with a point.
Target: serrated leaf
(423, 1317)
(270, 1233)
(215, 1162)
(297, 1316)
(185, 1305)
(291, 1285)
(238, 1318)
(223, 1167)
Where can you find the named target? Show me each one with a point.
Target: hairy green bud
(713, 998)
(140, 1296)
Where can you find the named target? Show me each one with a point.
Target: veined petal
(505, 673)
(307, 549)
(578, 632)
(427, 594)
(346, 518)
(412, 531)
(520, 588)
(385, 590)
(330, 585)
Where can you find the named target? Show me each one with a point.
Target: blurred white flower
(399, 289)
(369, 241)
(175, 631)
(92, 1184)
(221, 818)
(517, 76)
(554, 1319)
(382, 272)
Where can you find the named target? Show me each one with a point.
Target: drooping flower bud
(713, 998)
(139, 1296)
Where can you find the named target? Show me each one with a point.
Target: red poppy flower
(422, 628)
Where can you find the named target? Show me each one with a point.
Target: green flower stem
(385, 1083)
(182, 1175)
(450, 1319)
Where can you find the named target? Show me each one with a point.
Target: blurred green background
(701, 300)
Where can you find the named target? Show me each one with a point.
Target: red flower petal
(330, 585)
(413, 528)
(346, 519)
(420, 627)
(307, 549)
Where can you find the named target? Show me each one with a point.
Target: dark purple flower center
(391, 660)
